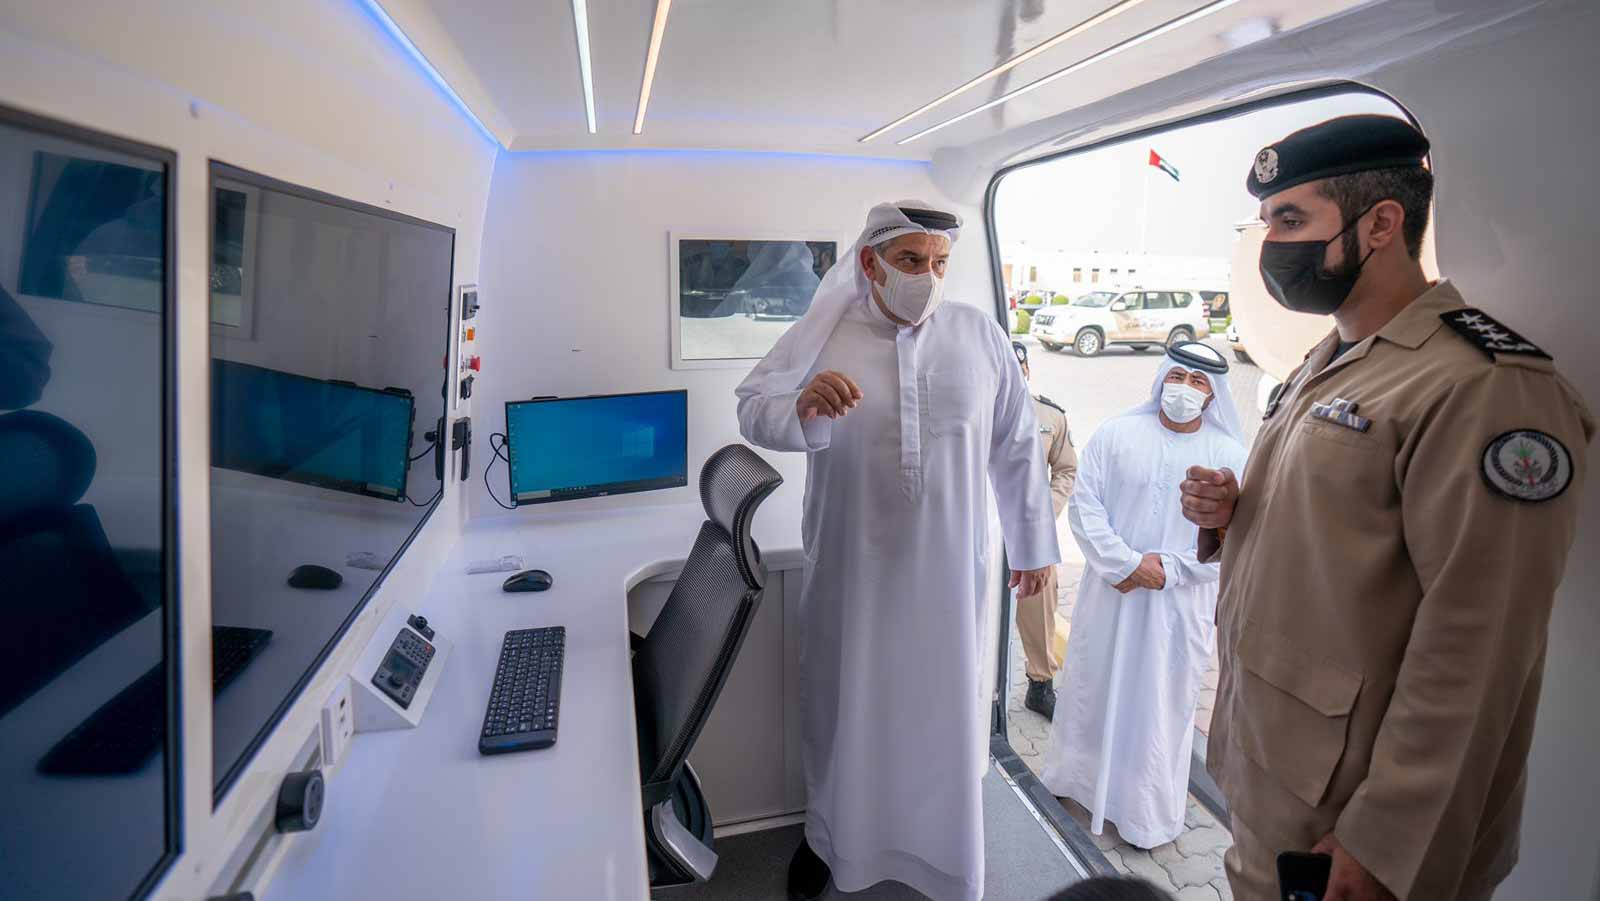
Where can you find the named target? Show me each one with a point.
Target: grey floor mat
(1022, 863)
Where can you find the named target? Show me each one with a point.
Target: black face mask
(1293, 273)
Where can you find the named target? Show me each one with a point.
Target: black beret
(1336, 147)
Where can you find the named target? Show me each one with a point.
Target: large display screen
(329, 322)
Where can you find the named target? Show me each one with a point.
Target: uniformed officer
(1036, 613)
(1390, 556)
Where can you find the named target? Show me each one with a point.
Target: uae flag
(1163, 165)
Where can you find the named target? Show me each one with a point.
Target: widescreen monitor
(568, 448)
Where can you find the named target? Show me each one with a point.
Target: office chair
(679, 668)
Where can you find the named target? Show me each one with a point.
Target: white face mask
(1182, 403)
(913, 298)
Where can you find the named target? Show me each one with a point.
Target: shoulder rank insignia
(1485, 333)
(1049, 403)
(1527, 465)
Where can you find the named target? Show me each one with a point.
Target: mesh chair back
(681, 665)
(732, 484)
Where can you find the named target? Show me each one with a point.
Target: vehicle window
(1134, 300)
(1158, 300)
(1182, 299)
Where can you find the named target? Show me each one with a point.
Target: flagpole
(1144, 212)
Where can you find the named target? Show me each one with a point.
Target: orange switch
(471, 333)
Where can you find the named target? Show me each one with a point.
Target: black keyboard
(525, 702)
(127, 730)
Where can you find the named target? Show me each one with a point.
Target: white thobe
(1135, 663)
(898, 585)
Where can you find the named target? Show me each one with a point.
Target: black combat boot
(1041, 699)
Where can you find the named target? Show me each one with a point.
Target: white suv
(1137, 318)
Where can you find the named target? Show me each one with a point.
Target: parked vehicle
(1139, 319)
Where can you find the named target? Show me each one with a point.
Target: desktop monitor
(318, 432)
(566, 448)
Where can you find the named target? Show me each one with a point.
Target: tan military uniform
(1036, 614)
(1387, 581)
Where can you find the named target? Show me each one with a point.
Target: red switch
(473, 364)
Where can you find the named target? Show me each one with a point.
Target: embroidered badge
(1341, 412)
(1267, 166)
(1489, 336)
(1527, 465)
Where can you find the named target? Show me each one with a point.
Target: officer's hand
(1030, 580)
(830, 394)
(1349, 880)
(1126, 585)
(1209, 496)
(1150, 574)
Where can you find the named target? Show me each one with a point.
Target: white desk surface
(421, 814)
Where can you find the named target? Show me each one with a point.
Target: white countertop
(421, 814)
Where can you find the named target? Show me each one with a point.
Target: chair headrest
(45, 463)
(732, 483)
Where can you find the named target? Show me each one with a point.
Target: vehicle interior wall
(311, 93)
(576, 279)
(1492, 86)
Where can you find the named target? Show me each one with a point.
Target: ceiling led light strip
(580, 22)
(1080, 65)
(656, 33)
(1104, 16)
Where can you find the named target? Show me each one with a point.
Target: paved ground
(1093, 390)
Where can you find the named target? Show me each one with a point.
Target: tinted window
(1158, 300)
(88, 672)
(329, 321)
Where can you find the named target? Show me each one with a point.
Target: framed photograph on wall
(236, 214)
(733, 294)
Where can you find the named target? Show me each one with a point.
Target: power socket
(338, 725)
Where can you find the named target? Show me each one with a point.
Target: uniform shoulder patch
(1489, 335)
(1049, 403)
(1527, 465)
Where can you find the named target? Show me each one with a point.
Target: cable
(425, 451)
(436, 496)
(497, 456)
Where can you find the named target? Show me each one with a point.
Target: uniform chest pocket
(1296, 711)
(955, 399)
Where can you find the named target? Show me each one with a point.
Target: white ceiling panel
(815, 76)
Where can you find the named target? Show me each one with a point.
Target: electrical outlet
(338, 725)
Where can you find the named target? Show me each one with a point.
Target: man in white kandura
(908, 411)
(1143, 628)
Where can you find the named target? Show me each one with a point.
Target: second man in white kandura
(908, 410)
(1143, 628)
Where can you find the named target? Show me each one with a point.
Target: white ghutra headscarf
(1194, 356)
(790, 360)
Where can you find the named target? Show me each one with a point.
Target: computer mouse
(528, 580)
(310, 575)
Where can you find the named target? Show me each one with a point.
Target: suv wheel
(1088, 343)
(1179, 335)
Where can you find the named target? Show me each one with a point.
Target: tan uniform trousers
(1036, 624)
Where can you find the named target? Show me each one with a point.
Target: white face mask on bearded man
(912, 298)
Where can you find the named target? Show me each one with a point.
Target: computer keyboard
(127, 730)
(525, 702)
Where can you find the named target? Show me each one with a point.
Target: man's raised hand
(1209, 496)
(830, 394)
